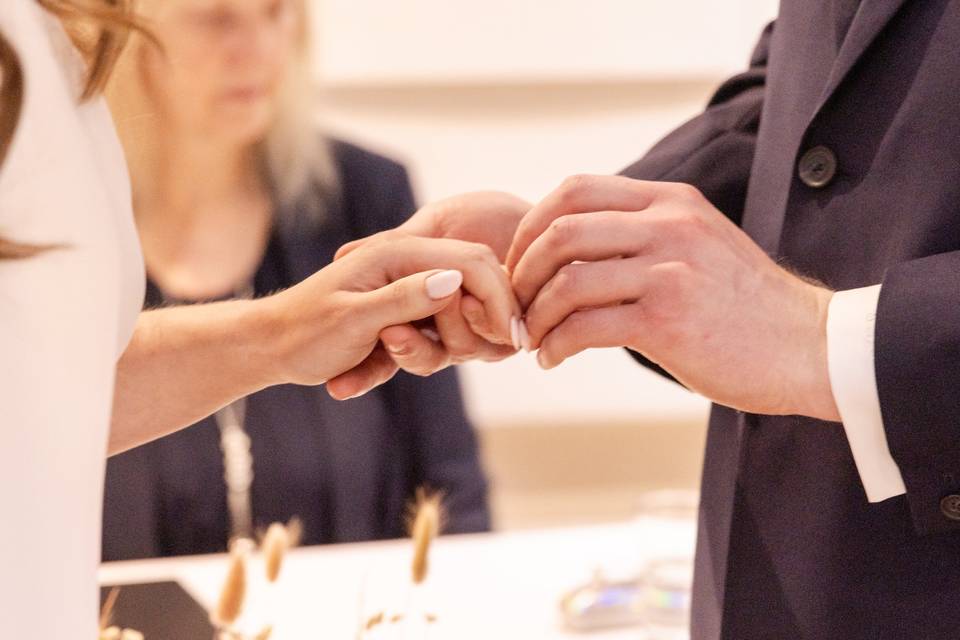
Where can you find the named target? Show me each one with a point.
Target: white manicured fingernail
(430, 334)
(525, 337)
(515, 332)
(397, 349)
(444, 284)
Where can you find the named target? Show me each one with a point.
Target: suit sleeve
(714, 151)
(917, 360)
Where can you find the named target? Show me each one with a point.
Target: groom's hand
(610, 261)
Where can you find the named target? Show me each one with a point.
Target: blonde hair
(99, 29)
(297, 162)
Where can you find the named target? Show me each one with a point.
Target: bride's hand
(331, 323)
(463, 330)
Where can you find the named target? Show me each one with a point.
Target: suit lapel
(871, 18)
(869, 21)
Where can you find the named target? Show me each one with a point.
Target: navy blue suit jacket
(788, 545)
(346, 469)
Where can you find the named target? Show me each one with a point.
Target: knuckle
(383, 238)
(576, 324)
(398, 295)
(575, 186)
(479, 252)
(563, 230)
(671, 277)
(687, 226)
(566, 281)
(669, 301)
(686, 191)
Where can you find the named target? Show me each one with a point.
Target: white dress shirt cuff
(851, 319)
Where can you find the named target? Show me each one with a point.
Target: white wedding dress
(65, 318)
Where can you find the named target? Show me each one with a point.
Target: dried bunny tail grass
(275, 544)
(116, 633)
(427, 522)
(374, 621)
(234, 588)
(110, 633)
(295, 531)
(106, 611)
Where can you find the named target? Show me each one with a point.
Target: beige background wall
(515, 95)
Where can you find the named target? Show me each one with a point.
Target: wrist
(816, 394)
(263, 331)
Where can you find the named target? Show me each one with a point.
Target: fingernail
(515, 332)
(525, 337)
(396, 349)
(542, 360)
(430, 334)
(443, 284)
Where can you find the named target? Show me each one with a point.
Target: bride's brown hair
(99, 29)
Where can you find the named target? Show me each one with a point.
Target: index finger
(483, 277)
(416, 225)
(582, 194)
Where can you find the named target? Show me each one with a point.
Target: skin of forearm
(183, 364)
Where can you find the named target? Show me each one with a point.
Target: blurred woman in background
(236, 194)
(84, 374)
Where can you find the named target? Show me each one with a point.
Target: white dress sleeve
(64, 316)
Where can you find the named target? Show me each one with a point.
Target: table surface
(480, 586)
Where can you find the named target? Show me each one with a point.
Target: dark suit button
(817, 167)
(950, 507)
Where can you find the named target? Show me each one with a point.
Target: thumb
(412, 298)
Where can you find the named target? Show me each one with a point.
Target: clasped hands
(607, 261)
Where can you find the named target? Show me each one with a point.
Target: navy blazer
(346, 469)
(788, 545)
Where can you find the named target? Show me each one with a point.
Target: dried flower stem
(426, 526)
(106, 612)
(234, 589)
(275, 545)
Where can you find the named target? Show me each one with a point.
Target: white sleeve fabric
(851, 319)
(64, 317)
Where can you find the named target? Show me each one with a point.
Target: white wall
(515, 95)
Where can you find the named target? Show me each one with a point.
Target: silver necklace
(237, 455)
(237, 467)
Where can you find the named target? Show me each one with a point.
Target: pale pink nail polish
(444, 284)
(525, 337)
(515, 332)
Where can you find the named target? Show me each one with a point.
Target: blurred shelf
(449, 42)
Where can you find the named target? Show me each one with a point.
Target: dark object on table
(159, 610)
